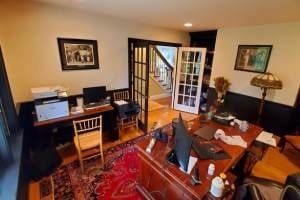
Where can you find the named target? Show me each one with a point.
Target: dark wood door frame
(147, 43)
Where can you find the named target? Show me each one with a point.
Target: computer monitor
(94, 94)
(180, 155)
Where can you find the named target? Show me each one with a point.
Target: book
(121, 102)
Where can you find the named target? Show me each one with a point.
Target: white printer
(50, 102)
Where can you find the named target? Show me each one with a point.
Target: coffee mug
(244, 126)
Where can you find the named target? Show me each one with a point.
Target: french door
(189, 73)
(139, 77)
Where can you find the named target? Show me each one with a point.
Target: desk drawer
(158, 184)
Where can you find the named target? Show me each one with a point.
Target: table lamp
(265, 81)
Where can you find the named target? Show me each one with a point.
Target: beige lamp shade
(267, 80)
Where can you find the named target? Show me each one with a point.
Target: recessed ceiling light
(188, 24)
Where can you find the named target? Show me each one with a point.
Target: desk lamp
(265, 81)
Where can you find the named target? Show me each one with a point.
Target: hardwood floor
(159, 116)
(165, 115)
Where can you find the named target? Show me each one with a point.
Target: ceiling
(204, 14)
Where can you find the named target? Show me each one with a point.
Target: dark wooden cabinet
(206, 39)
(160, 183)
(159, 179)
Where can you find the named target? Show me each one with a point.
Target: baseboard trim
(160, 96)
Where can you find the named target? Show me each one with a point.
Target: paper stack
(121, 102)
(267, 138)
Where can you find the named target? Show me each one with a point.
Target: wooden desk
(109, 122)
(158, 176)
(72, 117)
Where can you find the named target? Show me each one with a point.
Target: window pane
(198, 57)
(144, 55)
(180, 99)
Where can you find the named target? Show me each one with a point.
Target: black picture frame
(253, 58)
(78, 54)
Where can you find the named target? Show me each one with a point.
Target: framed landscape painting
(253, 58)
(76, 54)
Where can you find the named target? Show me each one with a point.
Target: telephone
(223, 118)
(161, 136)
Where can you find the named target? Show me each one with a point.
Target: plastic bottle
(210, 170)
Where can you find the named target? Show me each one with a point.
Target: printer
(50, 102)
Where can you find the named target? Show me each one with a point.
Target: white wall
(28, 37)
(284, 60)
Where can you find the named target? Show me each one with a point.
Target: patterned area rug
(116, 180)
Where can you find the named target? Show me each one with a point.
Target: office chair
(293, 140)
(129, 120)
(88, 135)
(264, 189)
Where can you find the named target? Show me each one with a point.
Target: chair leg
(102, 157)
(283, 145)
(122, 124)
(81, 162)
(136, 122)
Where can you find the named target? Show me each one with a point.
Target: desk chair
(122, 95)
(264, 189)
(88, 135)
(293, 140)
(277, 166)
(124, 122)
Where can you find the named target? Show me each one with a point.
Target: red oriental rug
(116, 181)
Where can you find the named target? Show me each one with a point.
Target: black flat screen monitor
(94, 94)
(180, 155)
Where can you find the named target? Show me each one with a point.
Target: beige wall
(284, 60)
(28, 36)
(154, 88)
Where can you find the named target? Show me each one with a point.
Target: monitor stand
(172, 158)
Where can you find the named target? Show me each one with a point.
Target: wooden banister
(162, 58)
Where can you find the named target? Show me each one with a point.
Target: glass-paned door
(5, 153)
(138, 77)
(189, 73)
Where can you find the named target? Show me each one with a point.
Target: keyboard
(95, 105)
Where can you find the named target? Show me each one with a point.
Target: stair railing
(161, 68)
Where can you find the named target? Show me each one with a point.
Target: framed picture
(78, 54)
(253, 58)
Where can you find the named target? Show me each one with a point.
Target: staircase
(161, 71)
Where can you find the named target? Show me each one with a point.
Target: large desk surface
(86, 113)
(158, 175)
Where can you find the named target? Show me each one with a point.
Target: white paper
(192, 162)
(121, 102)
(231, 140)
(76, 110)
(267, 138)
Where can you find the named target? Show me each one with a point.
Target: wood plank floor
(159, 117)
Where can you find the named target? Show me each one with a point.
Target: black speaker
(161, 136)
(43, 163)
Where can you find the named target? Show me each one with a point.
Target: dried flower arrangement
(221, 86)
